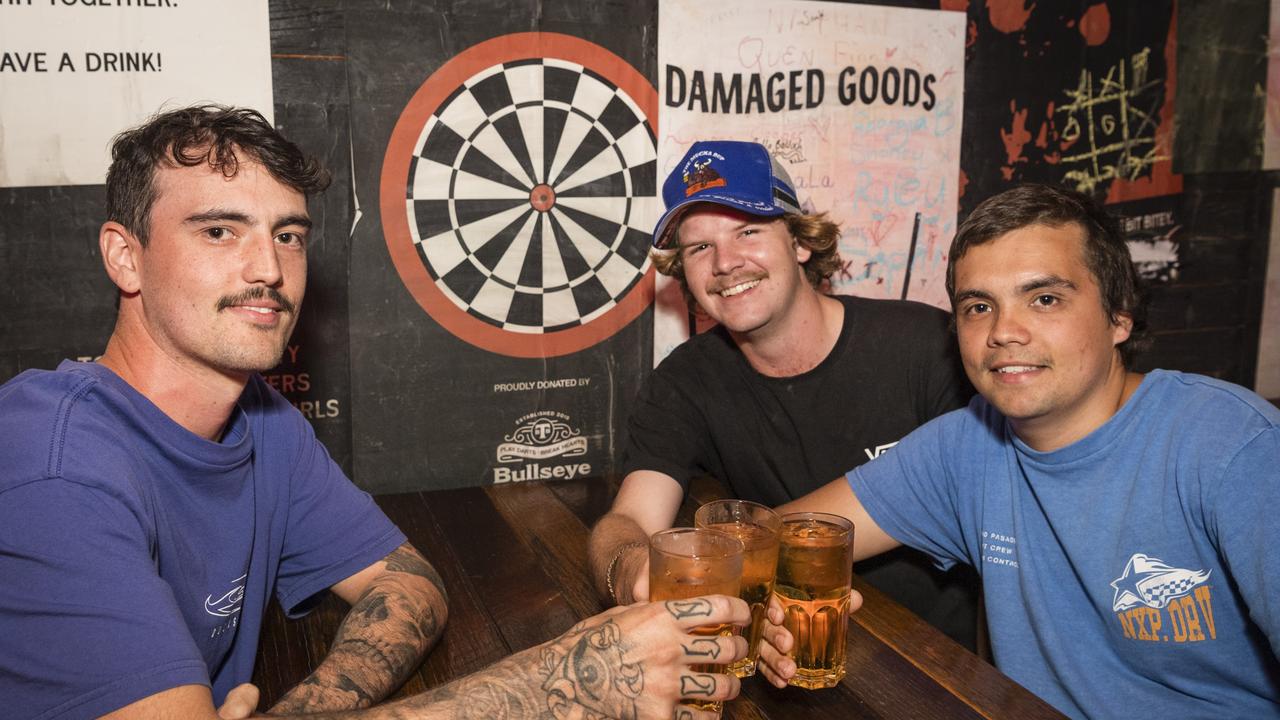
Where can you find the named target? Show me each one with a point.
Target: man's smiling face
(743, 270)
(1034, 336)
(222, 277)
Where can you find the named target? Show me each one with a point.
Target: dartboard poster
(500, 287)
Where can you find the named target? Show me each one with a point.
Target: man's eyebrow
(1047, 281)
(219, 215)
(972, 295)
(235, 216)
(735, 228)
(301, 221)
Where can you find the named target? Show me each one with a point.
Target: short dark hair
(814, 232)
(1105, 252)
(191, 136)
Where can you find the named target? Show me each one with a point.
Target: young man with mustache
(151, 502)
(1123, 524)
(792, 386)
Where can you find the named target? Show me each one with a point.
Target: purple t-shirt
(136, 556)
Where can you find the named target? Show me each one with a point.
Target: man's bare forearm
(617, 553)
(380, 642)
(580, 674)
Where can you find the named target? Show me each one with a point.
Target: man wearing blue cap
(791, 386)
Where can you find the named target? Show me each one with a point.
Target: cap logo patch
(702, 177)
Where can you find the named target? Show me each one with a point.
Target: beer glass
(689, 562)
(757, 527)
(815, 571)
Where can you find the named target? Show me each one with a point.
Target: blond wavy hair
(814, 232)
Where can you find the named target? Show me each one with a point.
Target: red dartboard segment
(518, 191)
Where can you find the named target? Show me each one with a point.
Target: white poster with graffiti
(73, 74)
(862, 104)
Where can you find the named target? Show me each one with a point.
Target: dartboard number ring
(518, 194)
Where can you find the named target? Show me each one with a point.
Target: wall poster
(500, 281)
(73, 74)
(862, 104)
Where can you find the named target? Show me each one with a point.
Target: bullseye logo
(540, 436)
(519, 191)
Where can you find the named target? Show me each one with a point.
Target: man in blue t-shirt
(1122, 523)
(151, 502)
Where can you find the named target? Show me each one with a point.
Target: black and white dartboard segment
(529, 196)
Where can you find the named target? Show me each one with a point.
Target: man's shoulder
(894, 313)
(1209, 402)
(37, 410)
(40, 389)
(710, 348)
(51, 417)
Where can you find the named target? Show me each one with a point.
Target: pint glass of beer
(688, 562)
(815, 570)
(757, 527)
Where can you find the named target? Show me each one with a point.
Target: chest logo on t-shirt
(229, 603)
(1156, 602)
(877, 451)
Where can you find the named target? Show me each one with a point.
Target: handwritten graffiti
(1114, 118)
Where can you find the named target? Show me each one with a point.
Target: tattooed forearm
(580, 675)
(380, 642)
(405, 559)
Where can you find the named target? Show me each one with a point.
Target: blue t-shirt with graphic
(136, 556)
(1131, 573)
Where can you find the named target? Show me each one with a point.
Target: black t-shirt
(705, 410)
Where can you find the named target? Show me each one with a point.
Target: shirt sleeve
(88, 625)
(908, 491)
(1243, 520)
(335, 530)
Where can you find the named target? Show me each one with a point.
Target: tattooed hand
(635, 662)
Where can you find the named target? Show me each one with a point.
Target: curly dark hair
(191, 136)
(814, 232)
(1105, 252)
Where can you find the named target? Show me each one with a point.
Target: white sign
(73, 73)
(862, 105)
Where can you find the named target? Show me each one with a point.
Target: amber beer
(757, 527)
(815, 571)
(690, 562)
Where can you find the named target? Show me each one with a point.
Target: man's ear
(120, 250)
(1121, 327)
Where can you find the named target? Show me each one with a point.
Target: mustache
(721, 285)
(256, 293)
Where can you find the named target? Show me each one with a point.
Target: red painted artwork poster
(1079, 95)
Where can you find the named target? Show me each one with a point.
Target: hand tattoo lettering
(591, 680)
(697, 685)
(682, 609)
(703, 648)
(684, 713)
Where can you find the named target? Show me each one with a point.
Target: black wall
(56, 302)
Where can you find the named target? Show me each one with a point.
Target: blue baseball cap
(739, 175)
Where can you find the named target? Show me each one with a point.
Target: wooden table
(514, 561)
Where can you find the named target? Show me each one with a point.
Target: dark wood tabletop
(514, 561)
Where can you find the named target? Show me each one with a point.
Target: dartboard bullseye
(518, 194)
